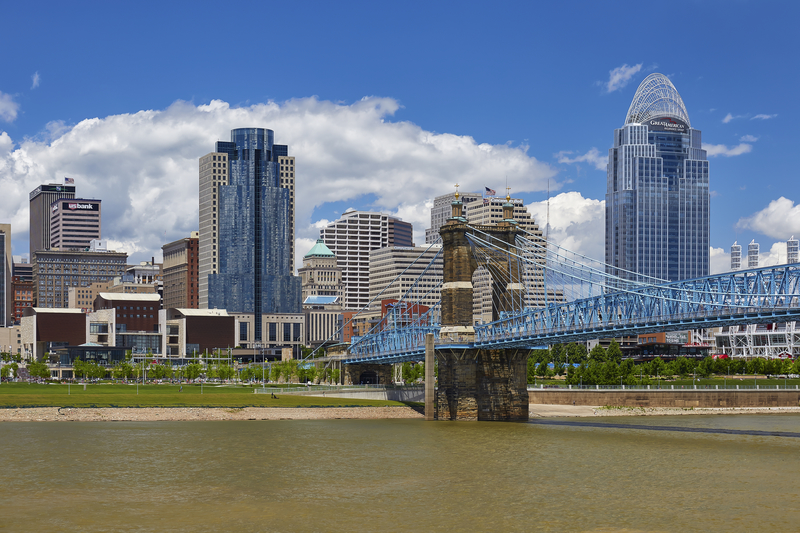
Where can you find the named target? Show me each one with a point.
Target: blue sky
(386, 105)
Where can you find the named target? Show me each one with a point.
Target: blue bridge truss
(770, 294)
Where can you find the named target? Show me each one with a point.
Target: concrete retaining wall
(668, 398)
(396, 395)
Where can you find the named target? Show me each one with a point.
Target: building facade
(181, 274)
(246, 235)
(398, 271)
(352, 238)
(129, 321)
(41, 200)
(657, 199)
(55, 271)
(323, 293)
(74, 223)
(23, 297)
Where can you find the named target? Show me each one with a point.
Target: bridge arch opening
(368, 377)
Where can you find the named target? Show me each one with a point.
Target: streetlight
(258, 345)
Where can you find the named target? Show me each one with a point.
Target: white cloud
(620, 76)
(576, 223)
(35, 79)
(776, 255)
(6, 144)
(762, 116)
(779, 220)
(713, 150)
(720, 260)
(730, 117)
(748, 139)
(143, 165)
(593, 156)
(8, 107)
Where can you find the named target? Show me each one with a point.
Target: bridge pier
(483, 385)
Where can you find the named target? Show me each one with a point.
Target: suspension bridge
(541, 293)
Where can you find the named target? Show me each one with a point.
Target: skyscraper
(657, 199)
(41, 198)
(752, 254)
(792, 251)
(736, 256)
(6, 271)
(246, 227)
(74, 223)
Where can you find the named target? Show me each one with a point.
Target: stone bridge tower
(479, 384)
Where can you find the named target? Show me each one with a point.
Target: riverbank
(588, 411)
(156, 414)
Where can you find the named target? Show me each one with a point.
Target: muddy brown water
(402, 475)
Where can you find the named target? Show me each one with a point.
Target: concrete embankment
(404, 394)
(667, 397)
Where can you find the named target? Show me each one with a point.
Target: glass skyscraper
(657, 199)
(246, 228)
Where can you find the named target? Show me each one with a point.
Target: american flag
(490, 192)
(69, 181)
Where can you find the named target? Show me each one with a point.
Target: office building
(6, 273)
(406, 273)
(736, 256)
(23, 297)
(443, 209)
(752, 254)
(352, 238)
(181, 275)
(74, 223)
(55, 271)
(246, 227)
(657, 199)
(41, 200)
(792, 251)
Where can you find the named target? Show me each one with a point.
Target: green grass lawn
(112, 395)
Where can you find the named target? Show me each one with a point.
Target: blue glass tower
(657, 198)
(254, 271)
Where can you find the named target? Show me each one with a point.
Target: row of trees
(597, 371)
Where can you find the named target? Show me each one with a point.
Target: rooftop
(319, 250)
(130, 296)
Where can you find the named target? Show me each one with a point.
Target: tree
(614, 353)
(192, 370)
(577, 353)
(335, 375)
(5, 372)
(598, 354)
(38, 369)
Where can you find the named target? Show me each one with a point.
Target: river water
(402, 475)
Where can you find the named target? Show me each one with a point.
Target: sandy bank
(152, 414)
(549, 411)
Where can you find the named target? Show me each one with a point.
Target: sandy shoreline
(155, 414)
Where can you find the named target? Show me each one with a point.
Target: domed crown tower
(657, 201)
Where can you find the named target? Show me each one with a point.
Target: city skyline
(395, 151)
